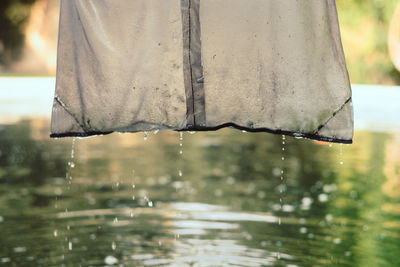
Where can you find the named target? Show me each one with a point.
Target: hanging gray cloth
(255, 65)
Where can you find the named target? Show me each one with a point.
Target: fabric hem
(311, 136)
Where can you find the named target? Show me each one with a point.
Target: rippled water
(125, 201)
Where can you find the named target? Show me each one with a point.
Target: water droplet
(131, 214)
(283, 158)
(341, 162)
(19, 249)
(144, 136)
(69, 245)
(133, 186)
(115, 220)
(150, 203)
(181, 152)
(180, 173)
(156, 131)
(278, 256)
(73, 148)
(71, 164)
(55, 233)
(113, 245)
(110, 260)
(337, 241)
(330, 145)
(323, 197)
(133, 197)
(180, 136)
(279, 221)
(303, 230)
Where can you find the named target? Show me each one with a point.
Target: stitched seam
(332, 116)
(58, 100)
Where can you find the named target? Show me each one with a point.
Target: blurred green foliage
(13, 15)
(365, 27)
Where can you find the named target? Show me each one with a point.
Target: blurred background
(370, 32)
(222, 198)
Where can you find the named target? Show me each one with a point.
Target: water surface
(227, 200)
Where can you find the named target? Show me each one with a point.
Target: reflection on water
(136, 202)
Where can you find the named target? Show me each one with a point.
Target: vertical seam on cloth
(192, 63)
(185, 10)
(196, 64)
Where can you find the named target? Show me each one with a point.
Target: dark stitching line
(190, 59)
(57, 99)
(332, 116)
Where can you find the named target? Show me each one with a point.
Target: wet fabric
(259, 65)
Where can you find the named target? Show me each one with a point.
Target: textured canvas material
(256, 65)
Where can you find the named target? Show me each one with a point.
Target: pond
(225, 198)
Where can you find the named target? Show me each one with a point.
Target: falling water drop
(115, 220)
(181, 142)
(341, 155)
(145, 136)
(70, 245)
(113, 245)
(131, 214)
(55, 233)
(149, 202)
(281, 186)
(180, 173)
(73, 148)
